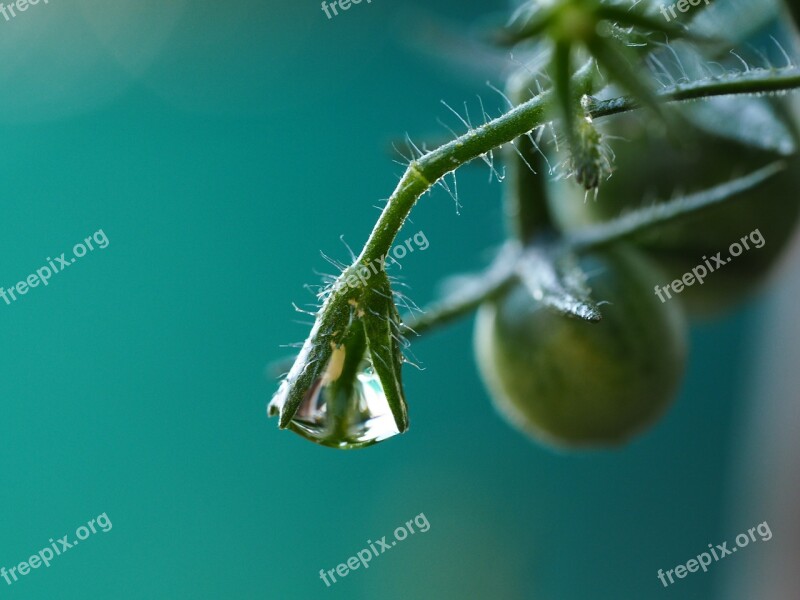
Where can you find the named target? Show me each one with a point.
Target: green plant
(542, 316)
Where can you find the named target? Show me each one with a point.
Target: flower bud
(344, 389)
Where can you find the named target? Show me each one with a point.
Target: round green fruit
(574, 383)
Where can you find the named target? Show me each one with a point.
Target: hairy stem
(333, 317)
(422, 173)
(645, 220)
(755, 81)
(467, 295)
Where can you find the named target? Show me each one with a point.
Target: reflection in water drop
(346, 417)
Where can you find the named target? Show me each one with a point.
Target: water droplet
(355, 416)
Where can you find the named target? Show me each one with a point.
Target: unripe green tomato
(575, 383)
(647, 170)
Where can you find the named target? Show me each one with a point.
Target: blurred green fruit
(569, 382)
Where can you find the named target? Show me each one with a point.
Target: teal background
(221, 147)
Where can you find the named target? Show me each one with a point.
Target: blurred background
(221, 147)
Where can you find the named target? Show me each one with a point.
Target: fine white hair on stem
(349, 249)
(746, 66)
(789, 63)
(500, 93)
(458, 116)
(333, 261)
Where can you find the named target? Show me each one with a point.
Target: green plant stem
(642, 221)
(526, 207)
(451, 308)
(756, 81)
(422, 173)
(472, 291)
(525, 194)
(636, 223)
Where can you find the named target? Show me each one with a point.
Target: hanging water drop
(346, 405)
(348, 416)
